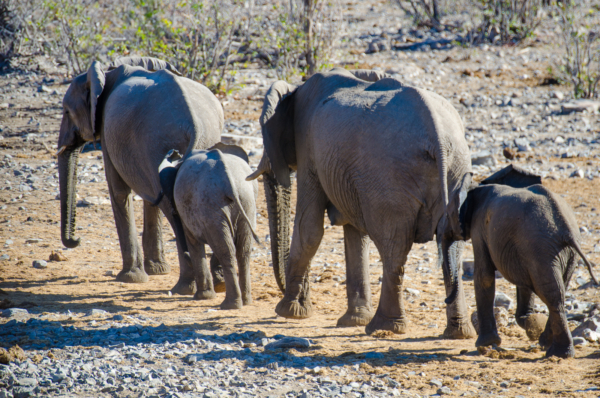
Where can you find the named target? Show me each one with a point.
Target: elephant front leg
(308, 232)
(216, 269)
(196, 259)
(358, 287)
(390, 314)
(186, 285)
(485, 295)
(458, 325)
(121, 200)
(152, 242)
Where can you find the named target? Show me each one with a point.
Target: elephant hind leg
(223, 246)
(121, 199)
(390, 314)
(243, 249)
(525, 304)
(556, 338)
(358, 287)
(152, 242)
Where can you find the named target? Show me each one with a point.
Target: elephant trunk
(67, 175)
(278, 205)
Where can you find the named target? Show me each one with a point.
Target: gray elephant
(520, 228)
(217, 207)
(385, 160)
(140, 109)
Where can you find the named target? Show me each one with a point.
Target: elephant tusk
(255, 175)
(61, 150)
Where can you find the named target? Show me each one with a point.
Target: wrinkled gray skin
(386, 161)
(530, 235)
(139, 115)
(216, 206)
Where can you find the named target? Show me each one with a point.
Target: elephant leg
(152, 242)
(485, 295)
(225, 250)
(306, 238)
(458, 324)
(525, 304)
(243, 250)
(358, 287)
(216, 269)
(196, 259)
(556, 337)
(186, 285)
(390, 314)
(121, 199)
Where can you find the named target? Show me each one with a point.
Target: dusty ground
(85, 280)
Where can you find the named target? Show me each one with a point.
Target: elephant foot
(460, 331)
(231, 304)
(293, 309)
(358, 316)
(156, 267)
(185, 287)
(205, 295)
(488, 339)
(134, 275)
(380, 322)
(247, 300)
(556, 350)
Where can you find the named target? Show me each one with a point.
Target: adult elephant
(385, 160)
(141, 108)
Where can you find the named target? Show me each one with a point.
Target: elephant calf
(530, 235)
(214, 205)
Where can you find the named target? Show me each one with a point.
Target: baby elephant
(530, 235)
(214, 205)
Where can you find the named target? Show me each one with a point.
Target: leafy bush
(581, 60)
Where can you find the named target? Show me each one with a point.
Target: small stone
(288, 342)
(40, 264)
(591, 336)
(504, 384)
(578, 173)
(592, 323)
(535, 325)
(12, 312)
(579, 341)
(502, 300)
(558, 95)
(109, 273)
(412, 291)
(32, 241)
(483, 158)
(4, 257)
(436, 382)
(444, 391)
(43, 89)
(522, 144)
(97, 312)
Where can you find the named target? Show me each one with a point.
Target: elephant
(215, 206)
(386, 160)
(140, 108)
(520, 228)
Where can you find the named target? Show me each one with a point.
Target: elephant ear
(456, 207)
(513, 176)
(148, 63)
(369, 75)
(95, 82)
(276, 121)
(231, 150)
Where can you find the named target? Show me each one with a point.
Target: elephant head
(81, 123)
(277, 123)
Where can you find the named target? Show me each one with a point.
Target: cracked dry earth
(84, 334)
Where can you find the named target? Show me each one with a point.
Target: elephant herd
(389, 162)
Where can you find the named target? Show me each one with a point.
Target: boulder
(535, 325)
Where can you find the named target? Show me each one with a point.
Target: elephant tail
(588, 264)
(232, 194)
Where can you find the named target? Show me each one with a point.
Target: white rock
(502, 300)
(580, 106)
(414, 292)
(591, 336)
